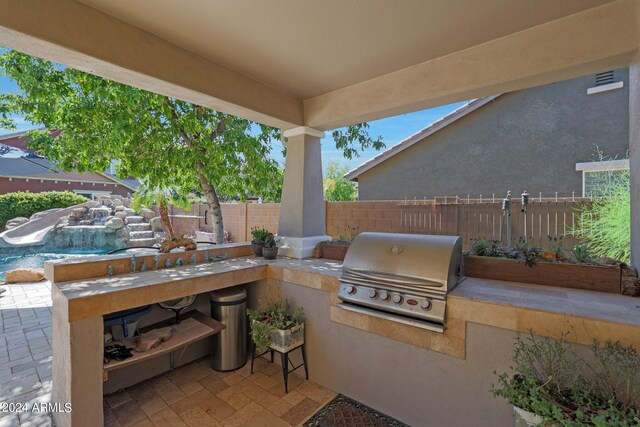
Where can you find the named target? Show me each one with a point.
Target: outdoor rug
(346, 412)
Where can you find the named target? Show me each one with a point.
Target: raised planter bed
(565, 275)
(332, 250)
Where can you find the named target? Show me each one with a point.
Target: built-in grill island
(401, 277)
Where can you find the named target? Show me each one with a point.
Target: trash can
(229, 306)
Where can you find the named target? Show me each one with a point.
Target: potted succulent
(277, 327)
(551, 384)
(258, 235)
(270, 247)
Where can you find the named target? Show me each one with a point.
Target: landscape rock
(24, 275)
(631, 286)
(120, 208)
(156, 223)
(121, 215)
(147, 214)
(114, 224)
(16, 222)
(117, 203)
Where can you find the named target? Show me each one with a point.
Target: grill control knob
(425, 305)
(384, 296)
(351, 290)
(373, 294)
(397, 299)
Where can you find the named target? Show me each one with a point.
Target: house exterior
(22, 169)
(542, 140)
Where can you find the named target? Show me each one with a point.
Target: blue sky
(392, 129)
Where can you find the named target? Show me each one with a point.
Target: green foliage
(270, 241)
(557, 247)
(605, 227)
(276, 316)
(350, 234)
(551, 380)
(148, 196)
(485, 247)
(523, 252)
(259, 234)
(580, 253)
(336, 186)
(25, 204)
(165, 142)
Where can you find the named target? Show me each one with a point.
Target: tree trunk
(214, 207)
(166, 221)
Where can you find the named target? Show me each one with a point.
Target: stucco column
(77, 366)
(302, 223)
(634, 160)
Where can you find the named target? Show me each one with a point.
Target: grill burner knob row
(384, 296)
(373, 294)
(425, 305)
(397, 299)
(351, 290)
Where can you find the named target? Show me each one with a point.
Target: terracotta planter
(332, 250)
(270, 252)
(576, 276)
(256, 248)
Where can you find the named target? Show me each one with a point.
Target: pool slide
(34, 232)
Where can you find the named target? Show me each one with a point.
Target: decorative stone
(631, 286)
(156, 260)
(147, 214)
(16, 222)
(156, 223)
(110, 270)
(106, 202)
(118, 203)
(120, 208)
(24, 275)
(114, 223)
(121, 215)
(179, 262)
(85, 222)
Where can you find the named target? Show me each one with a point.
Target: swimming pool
(37, 260)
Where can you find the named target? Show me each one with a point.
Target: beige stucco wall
(417, 386)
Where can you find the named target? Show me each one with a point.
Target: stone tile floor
(25, 353)
(193, 395)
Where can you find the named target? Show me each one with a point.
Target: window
(92, 195)
(595, 174)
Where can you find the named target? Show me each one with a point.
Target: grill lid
(405, 260)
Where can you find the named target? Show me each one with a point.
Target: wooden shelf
(194, 327)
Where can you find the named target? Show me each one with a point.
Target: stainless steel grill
(401, 277)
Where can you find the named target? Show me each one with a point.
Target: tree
(165, 142)
(336, 186)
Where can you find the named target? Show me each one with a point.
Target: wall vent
(604, 78)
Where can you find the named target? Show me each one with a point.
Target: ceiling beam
(78, 36)
(594, 40)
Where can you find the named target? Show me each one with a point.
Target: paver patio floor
(193, 395)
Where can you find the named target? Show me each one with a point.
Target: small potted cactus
(270, 247)
(258, 234)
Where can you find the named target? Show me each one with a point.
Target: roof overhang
(331, 63)
(421, 135)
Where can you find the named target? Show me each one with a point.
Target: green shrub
(24, 204)
(606, 227)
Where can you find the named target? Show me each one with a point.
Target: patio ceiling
(327, 63)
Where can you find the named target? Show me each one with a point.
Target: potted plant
(258, 235)
(337, 248)
(270, 247)
(551, 384)
(277, 327)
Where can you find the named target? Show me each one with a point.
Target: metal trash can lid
(229, 295)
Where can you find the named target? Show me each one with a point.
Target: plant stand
(286, 361)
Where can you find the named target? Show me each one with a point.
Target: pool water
(37, 260)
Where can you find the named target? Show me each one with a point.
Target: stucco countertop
(597, 305)
(515, 306)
